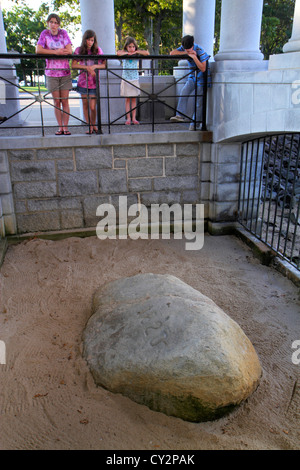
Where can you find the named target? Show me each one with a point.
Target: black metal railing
(152, 97)
(269, 197)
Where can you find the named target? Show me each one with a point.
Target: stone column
(8, 87)
(293, 45)
(199, 21)
(101, 19)
(240, 32)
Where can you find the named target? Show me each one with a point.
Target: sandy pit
(48, 399)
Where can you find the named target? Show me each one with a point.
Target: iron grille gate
(269, 195)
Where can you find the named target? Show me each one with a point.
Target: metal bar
(41, 107)
(204, 100)
(99, 123)
(152, 90)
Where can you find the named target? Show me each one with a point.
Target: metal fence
(156, 97)
(269, 196)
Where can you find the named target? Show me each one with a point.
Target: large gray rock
(163, 344)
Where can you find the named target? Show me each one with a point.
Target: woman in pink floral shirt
(87, 79)
(58, 75)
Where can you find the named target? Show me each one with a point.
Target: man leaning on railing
(198, 63)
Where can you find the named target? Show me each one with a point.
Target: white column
(240, 30)
(100, 17)
(3, 48)
(8, 87)
(199, 21)
(293, 45)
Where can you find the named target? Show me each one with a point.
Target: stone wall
(57, 184)
(7, 210)
(245, 104)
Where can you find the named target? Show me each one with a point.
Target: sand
(48, 399)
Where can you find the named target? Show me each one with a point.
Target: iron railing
(151, 97)
(269, 196)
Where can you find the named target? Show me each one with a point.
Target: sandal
(135, 122)
(66, 132)
(59, 132)
(127, 123)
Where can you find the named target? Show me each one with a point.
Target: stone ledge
(267, 256)
(34, 142)
(259, 249)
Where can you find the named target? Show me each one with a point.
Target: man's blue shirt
(203, 57)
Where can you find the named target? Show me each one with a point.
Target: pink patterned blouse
(55, 67)
(91, 82)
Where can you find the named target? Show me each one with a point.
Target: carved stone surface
(163, 344)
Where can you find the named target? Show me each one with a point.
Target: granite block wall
(53, 188)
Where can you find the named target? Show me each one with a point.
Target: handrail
(112, 71)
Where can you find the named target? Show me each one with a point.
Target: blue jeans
(189, 89)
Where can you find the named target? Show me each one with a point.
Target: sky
(31, 3)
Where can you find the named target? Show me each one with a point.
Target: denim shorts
(85, 91)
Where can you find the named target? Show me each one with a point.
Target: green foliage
(155, 24)
(23, 26)
(277, 25)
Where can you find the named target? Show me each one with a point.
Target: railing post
(99, 123)
(196, 97)
(152, 91)
(204, 99)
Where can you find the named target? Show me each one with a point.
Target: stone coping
(79, 140)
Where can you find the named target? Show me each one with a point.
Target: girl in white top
(130, 83)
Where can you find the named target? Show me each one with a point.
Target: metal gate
(269, 195)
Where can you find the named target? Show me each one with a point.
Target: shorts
(59, 83)
(85, 91)
(129, 90)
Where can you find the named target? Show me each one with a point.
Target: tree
(156, 24)
(23, 26)
(277, 25)
(276, 30)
